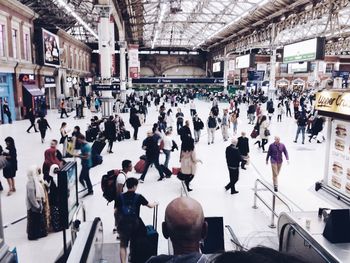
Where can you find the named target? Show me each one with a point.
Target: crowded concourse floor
(296, 181)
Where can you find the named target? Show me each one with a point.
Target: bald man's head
(184, 221)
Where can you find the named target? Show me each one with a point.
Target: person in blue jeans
(302, 123)
(86, 163)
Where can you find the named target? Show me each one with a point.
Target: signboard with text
(333, 103)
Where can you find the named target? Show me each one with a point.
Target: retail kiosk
(324, 235)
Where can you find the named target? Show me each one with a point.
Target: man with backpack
(113, 184)
(130, 225)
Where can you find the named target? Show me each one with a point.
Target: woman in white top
(64, 138)
(188, 162)
(280, 111)
(264, 132)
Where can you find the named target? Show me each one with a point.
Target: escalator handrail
(90, 240)
(304, 237)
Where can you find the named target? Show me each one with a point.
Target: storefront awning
(33, 90)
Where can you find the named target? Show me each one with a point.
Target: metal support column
(106, 48)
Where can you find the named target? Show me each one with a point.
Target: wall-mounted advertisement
(50, 49)
(298, 67)
(339, 158)
(312, 49)
(217, 67)
(68, 193)
(245, 61)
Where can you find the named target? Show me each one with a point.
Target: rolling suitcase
(97, 147)
(140, 166)
(166, 171)
(143, 248)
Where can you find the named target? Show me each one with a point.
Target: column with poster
(134, 63)
(336, 106)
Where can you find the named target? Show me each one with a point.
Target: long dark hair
(10, 141)
(263, 118)
(187, 144)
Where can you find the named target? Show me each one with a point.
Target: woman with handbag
(188, 162)
(264, 132)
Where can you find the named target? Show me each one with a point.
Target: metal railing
(307, 242)
(234, 238)
(184, 191)
(274, 196)
(76, 222)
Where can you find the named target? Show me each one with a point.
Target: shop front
(335, 104)
(6, 96)
(50, 91)
(33, 96)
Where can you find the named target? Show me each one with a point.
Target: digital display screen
(244, 61)
(308, 50)
(217, 67)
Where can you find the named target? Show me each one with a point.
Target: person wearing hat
(233, 159)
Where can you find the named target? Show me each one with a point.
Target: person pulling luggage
(130, 225)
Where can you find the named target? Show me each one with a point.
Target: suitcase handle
(155, 217)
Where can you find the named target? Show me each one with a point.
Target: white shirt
(168, 143)
(192, 106)
(121, 179)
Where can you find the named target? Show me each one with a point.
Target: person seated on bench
(184, 224)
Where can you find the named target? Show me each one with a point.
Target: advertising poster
(339, 158)
(51, 49)
(134, 63)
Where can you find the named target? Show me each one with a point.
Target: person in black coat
(134, 122)
(31, 118)
(43, 126)
(233, 159)
(151, 146)
(10, 170)
(110, 133)
(243, 147)
(185, 131)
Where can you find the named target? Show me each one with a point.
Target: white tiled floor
(250, 225)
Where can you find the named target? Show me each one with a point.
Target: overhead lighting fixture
(71, 12)
(160, 21)
(232, 22)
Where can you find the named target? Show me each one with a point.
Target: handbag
(254, 134)
(176, 170)
(267, 132)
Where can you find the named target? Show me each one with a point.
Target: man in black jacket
(150, 144)
(243, 147)
(31, 118)
(233, 158)
(110, 133)
(134, 122)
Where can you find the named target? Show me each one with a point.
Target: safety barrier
(306, 242)
(274, 196)
(234, 239)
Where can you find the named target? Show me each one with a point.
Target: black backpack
(108, 185)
